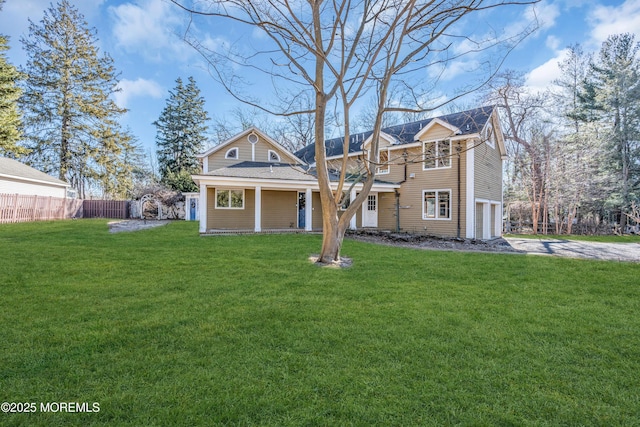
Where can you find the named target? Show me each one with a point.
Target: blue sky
(144, 37)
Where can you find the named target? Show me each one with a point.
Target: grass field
(163, 327)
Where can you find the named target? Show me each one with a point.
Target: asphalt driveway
(629, 252)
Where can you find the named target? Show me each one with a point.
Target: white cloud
(608, 20)
(545, 13)
(553, 42)
(150, 28)
(136, 88)
(542, 77)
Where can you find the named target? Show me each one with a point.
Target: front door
(370, 211)
(193, 208)
(302, 203)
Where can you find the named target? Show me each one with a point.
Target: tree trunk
(332, 237)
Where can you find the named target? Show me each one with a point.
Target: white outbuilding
(18, 178)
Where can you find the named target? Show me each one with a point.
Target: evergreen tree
(181, 133)
(70, 118)
(617, 89)
(10, 118)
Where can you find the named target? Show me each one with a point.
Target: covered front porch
(241, 206)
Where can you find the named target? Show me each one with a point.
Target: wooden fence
(23, 208)
(105, 209)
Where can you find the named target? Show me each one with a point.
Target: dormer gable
(385, 141)
(436, 129)
(250, 145)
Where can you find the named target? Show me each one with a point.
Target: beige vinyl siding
(411, 198)
(437, 132)
(217, 160)
(262, 153)
(386, 211)
(279, 209)
(488, 173)
(316, 214)
(396, 168)
(231, 219)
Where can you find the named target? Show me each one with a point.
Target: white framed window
(232, 153)
(383, 162)
(273, 156)
(229, 199)
(252, 138)
(437, 154)
(436, 204)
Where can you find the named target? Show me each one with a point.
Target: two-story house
(439, 176)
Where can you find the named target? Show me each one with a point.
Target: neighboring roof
(263, 170)
(466, 122)
(14, 169)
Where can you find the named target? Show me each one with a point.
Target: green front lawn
(163, 327)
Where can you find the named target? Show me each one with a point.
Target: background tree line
(574, 149)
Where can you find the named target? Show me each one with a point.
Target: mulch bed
(421, 241)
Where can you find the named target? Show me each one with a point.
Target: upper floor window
(383, 163)
(252, 138)
(437, 154)
(232, 153)
(273, 156)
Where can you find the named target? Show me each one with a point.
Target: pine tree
(181, 134)
(10, 117)
(617, 89)
(70, 119)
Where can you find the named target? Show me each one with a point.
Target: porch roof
(276, 175)
(264, 170)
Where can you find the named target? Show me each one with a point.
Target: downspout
(459, 200)
(404, 156)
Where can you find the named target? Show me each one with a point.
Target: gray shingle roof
(20, 170)
(469, 122)
(264, 170)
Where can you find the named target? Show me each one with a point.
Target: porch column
(308, 211)
(258, 210)
(352, 222)
(203, 208)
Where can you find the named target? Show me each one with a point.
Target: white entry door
(370, 211)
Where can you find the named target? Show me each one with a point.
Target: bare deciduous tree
(335, 53)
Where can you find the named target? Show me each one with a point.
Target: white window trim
(388, 166)
(229, 190)
(269, 153)
(436, 141)
(227, 156)
(257, 138)
(437, 218)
